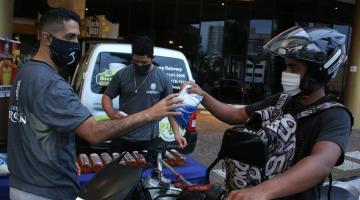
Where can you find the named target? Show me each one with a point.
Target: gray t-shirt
(156, 86)
(43, 114)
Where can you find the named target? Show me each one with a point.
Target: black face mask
(64, 53)
(142, 69)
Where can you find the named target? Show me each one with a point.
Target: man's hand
(247, 194)
(181, 140)
(195, 88)
(165, 107)
(116, 115)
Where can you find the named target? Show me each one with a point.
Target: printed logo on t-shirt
(153, 86)
(15, 115)
(152, 89)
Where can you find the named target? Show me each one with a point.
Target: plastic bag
(191, 102)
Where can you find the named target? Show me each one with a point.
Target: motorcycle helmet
(322, 49)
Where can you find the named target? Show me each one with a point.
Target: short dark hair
(143, 46)
(53, 19)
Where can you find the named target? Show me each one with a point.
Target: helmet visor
(295, 43)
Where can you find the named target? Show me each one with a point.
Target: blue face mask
(64, 53)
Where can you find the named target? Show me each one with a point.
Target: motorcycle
(121, 182)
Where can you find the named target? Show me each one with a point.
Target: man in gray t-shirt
(139, 85)
(34, 136)
(45, 114)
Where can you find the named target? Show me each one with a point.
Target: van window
(175, 68)
(107, 64)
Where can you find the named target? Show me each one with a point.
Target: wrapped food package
(96, 162)
(169, 158)
(180, 159)
(130, 160)
(140, 159)
(105, 158)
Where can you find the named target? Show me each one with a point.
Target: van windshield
(108, 63)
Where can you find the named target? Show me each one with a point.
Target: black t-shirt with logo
(333, 125)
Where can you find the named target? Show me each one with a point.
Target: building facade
(222, 39)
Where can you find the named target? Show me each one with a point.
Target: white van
(99, 64)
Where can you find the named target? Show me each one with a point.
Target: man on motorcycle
(310, 58)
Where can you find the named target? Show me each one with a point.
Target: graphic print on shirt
(152, 89)
(15, 115)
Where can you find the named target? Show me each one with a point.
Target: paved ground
(351, 167)
(210, 132)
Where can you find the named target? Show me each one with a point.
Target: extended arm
(107, 105)
(98, 131)
(303, 175)
(175, 128)
(110, 93)
(223, 112)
